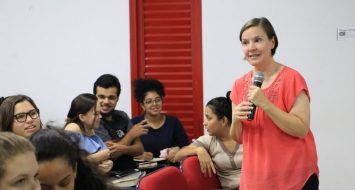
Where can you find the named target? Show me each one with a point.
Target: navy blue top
(115, 130)
(170, 134)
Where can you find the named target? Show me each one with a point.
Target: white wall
(54, 50)
(308, 43)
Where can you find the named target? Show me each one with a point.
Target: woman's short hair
(266, 25)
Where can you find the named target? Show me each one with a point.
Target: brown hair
(266, 25)
(7, 110)
(10, 146)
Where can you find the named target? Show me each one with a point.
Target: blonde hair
(10, 146)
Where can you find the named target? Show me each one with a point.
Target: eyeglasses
(21, 117)
(157, 100)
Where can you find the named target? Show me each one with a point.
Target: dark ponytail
(2, 99)
(222, 107)
(228, 96)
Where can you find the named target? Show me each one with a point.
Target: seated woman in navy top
(83, 117)
(166, 132)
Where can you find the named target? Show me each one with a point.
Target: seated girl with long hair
(83, 117)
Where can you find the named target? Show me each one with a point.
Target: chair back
(194, 177)
(167, 178)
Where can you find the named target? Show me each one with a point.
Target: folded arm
(118, 149)
(206, 163)
(100, 155)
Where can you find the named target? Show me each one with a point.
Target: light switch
(346, 33)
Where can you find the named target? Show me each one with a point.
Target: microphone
(257, 81)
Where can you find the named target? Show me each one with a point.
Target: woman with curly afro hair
(166, 133)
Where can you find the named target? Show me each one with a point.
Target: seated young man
(116, 129)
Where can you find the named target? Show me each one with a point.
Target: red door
(166, 44)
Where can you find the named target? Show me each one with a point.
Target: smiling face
(256, 45)
(21, 173)
(107, 98)
(31, 124)
(56, 174)
(152, 104)
(91, 119)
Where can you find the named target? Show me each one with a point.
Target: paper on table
(164, 153)
(153, 160)
(127, 181)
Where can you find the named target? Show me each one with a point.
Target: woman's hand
(145, 156)
(241, 111)
(206, 163)
(105, 166)
(100, 155)
(171, 153)
(257, 97)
